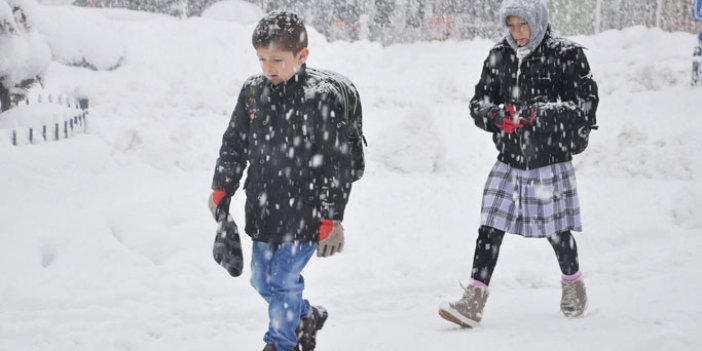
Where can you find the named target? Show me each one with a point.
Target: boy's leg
(285, 302)
(261, 257)
(487, 250)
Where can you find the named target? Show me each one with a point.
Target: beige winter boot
(574, 298)
(468, 311)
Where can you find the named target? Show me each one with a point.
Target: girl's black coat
(556, 80)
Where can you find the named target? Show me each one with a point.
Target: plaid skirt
(533, 203)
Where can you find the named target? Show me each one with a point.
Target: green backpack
(353, 118)
(354, 128)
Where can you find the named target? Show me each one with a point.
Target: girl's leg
(468, 311)
(487, 250)
(574, 294)
(566, 249)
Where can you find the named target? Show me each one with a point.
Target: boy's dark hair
(282, 30)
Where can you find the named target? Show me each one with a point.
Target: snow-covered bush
(179, 8)
(24, 53)
(93, 42)
(238, 11)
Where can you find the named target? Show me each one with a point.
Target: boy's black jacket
(556, 80)
(294, 139)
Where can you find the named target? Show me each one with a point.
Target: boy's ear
(302, 55)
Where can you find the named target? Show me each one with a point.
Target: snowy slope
(105, 238)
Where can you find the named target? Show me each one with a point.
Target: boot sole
(324, 316)
(463, 322)
(575, 314)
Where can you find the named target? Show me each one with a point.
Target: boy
(291, 125)
(537, 98)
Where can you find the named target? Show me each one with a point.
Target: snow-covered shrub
(92, 41)
(178, 8)
(238, 11)
(24, 53)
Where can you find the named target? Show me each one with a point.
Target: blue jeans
(276, 275)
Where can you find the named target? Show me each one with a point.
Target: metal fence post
(83, 103)
(697, 53)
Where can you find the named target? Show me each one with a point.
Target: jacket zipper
(519, 73)
(519, 89)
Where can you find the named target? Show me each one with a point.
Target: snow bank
(238, 11)
(105, 238)
(82, 37)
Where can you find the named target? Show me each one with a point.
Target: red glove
(216, 204)
(325, 228)
(218, 195)
(331, 237)
(507, 124)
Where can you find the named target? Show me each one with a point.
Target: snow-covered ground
(105, 238)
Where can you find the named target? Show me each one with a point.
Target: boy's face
(280, 65)
(519, 29)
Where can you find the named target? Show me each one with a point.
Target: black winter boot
(307, 331)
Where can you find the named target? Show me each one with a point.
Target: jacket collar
(290, 84)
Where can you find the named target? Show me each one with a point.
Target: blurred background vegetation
(391, 21)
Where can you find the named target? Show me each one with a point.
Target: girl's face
(280, 65)
(519, 29)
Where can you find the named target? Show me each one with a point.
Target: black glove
(499, 112)
(227, 247)
(219, 204)
(527, 115)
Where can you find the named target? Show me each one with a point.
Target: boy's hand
(218, 203)
(331, 238)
